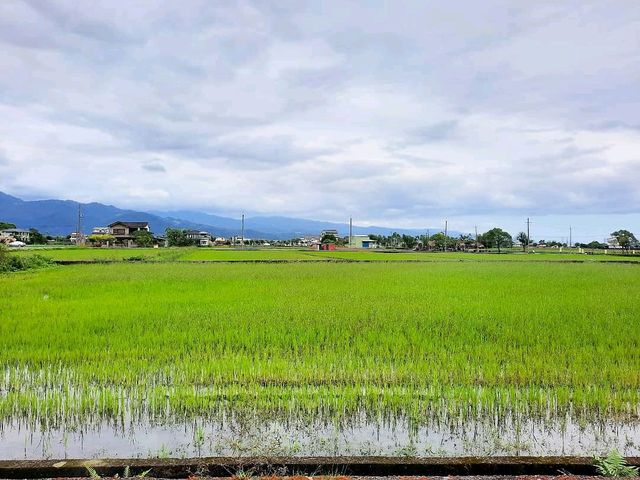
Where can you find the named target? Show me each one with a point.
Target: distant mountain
(288, 227)
(60, 217)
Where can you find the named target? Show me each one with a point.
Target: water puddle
(360, 436)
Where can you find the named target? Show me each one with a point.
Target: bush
(15, 263)
(614, 465)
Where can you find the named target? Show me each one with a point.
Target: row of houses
(124, 234)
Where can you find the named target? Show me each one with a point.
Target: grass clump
(14, 263)
(615, 465)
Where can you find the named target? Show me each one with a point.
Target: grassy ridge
(295, 254)
(429, 341)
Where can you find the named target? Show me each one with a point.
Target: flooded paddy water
(357, 437)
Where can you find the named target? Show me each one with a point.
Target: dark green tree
(143, 238)
(626, 239)
(5, 225)
(523, 239)
(328, 238)
(409, 241)
(178, 238)
(36, 238)
(496, 238)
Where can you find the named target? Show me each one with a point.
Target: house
(612, 242)
(76, 237)
(124, 231)
(203, 239)
(362, 241)
(329, 232)
(17, 233)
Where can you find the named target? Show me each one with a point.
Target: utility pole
(528, 234)
(79, 236)
(350, 230)
(477, 248)
(242, 234)
(445, 234)
(570, 236)
(428, 237)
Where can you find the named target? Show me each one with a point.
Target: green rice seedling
(432, 342)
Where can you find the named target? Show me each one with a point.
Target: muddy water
(359, 437)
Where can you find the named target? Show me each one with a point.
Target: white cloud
(401, 115)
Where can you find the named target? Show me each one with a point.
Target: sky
(397, 113)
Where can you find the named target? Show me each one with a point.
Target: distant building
(329, 232)
(76, 237)
(203, 238)
(362, 241)
(123, 231)
(612, 242)
(17, 233)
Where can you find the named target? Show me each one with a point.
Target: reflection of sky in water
(359, 438)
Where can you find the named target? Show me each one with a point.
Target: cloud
(154, 167)
(391, 113)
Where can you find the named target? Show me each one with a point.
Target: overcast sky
(398, 113)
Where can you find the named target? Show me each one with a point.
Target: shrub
(614, 465)
(15, 263)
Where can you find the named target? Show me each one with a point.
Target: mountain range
(60, 217)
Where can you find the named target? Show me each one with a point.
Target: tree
(626, 239)
(101, 239)
(328, 238)
(409, 241)
(36, 238)
(594, 245)
(143, 238)
(178, 238)
(6, 225)
(523, 239)
(496, 238)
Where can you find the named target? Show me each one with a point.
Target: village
(134, 234)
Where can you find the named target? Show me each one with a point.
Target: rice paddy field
(172, 357)
(77, 254)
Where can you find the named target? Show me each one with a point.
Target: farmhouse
(362, 241)
(17, 233)
(203, 238)
(329, 232)
(124, 231)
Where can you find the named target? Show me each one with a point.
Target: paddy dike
(292, 467)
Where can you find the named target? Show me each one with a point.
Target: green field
(437, 341)
(232, 255)
(104, 254)
(71, 254)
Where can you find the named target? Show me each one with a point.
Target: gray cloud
(154, 167)
(392, 112)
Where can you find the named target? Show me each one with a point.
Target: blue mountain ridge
(59, 217)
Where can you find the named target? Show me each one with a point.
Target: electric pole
(79, 237)
(350, 230)
(528, 234)
(570, 236)
(477, 248)
(445, 234)
(242, 233)
(428, 239)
